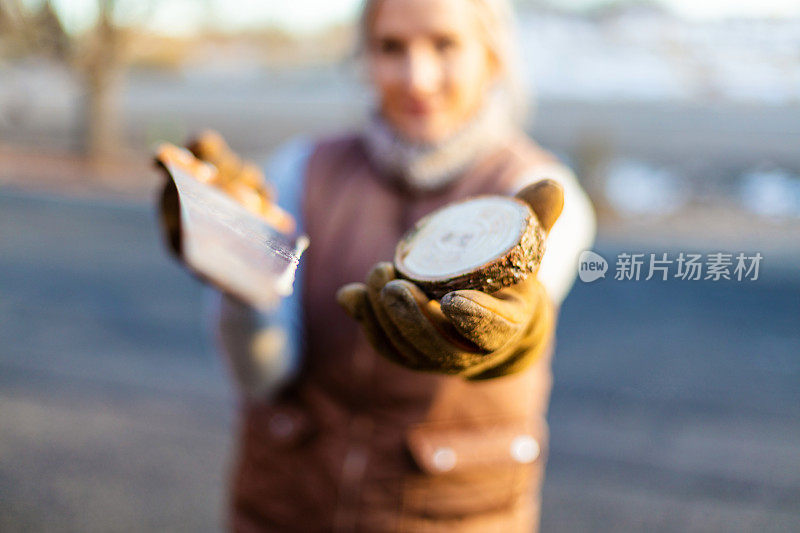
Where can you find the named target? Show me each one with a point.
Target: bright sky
(705, 9)
(747, 8)
(182, 16)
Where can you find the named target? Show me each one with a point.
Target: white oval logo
(591, 266)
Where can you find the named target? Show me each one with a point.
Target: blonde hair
(496, 20)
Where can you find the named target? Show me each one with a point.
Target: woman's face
(430, 65)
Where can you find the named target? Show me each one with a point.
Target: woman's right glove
(233, 173)
(242, 180)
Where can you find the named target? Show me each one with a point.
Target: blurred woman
(362, 419)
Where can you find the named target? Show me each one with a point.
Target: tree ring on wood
(483, 243)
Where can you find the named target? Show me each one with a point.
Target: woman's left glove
(469, 333)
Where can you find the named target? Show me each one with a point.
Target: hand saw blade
(221, 241)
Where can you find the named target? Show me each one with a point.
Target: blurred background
(676, 404)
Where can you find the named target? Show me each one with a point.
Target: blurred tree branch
(97, 55)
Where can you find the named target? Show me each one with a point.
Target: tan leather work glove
(233, 173)
(469, 333)
(242, 180)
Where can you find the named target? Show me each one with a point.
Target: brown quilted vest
(358, 443)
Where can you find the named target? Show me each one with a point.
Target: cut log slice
(484, 243)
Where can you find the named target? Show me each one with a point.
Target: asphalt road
(676, 404)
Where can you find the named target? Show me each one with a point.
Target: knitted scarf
(425, 167)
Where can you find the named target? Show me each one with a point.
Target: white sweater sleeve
(573, 232)
(264, 349)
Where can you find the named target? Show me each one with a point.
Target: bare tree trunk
(98, 58)
(103, 73)
(101, 129)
